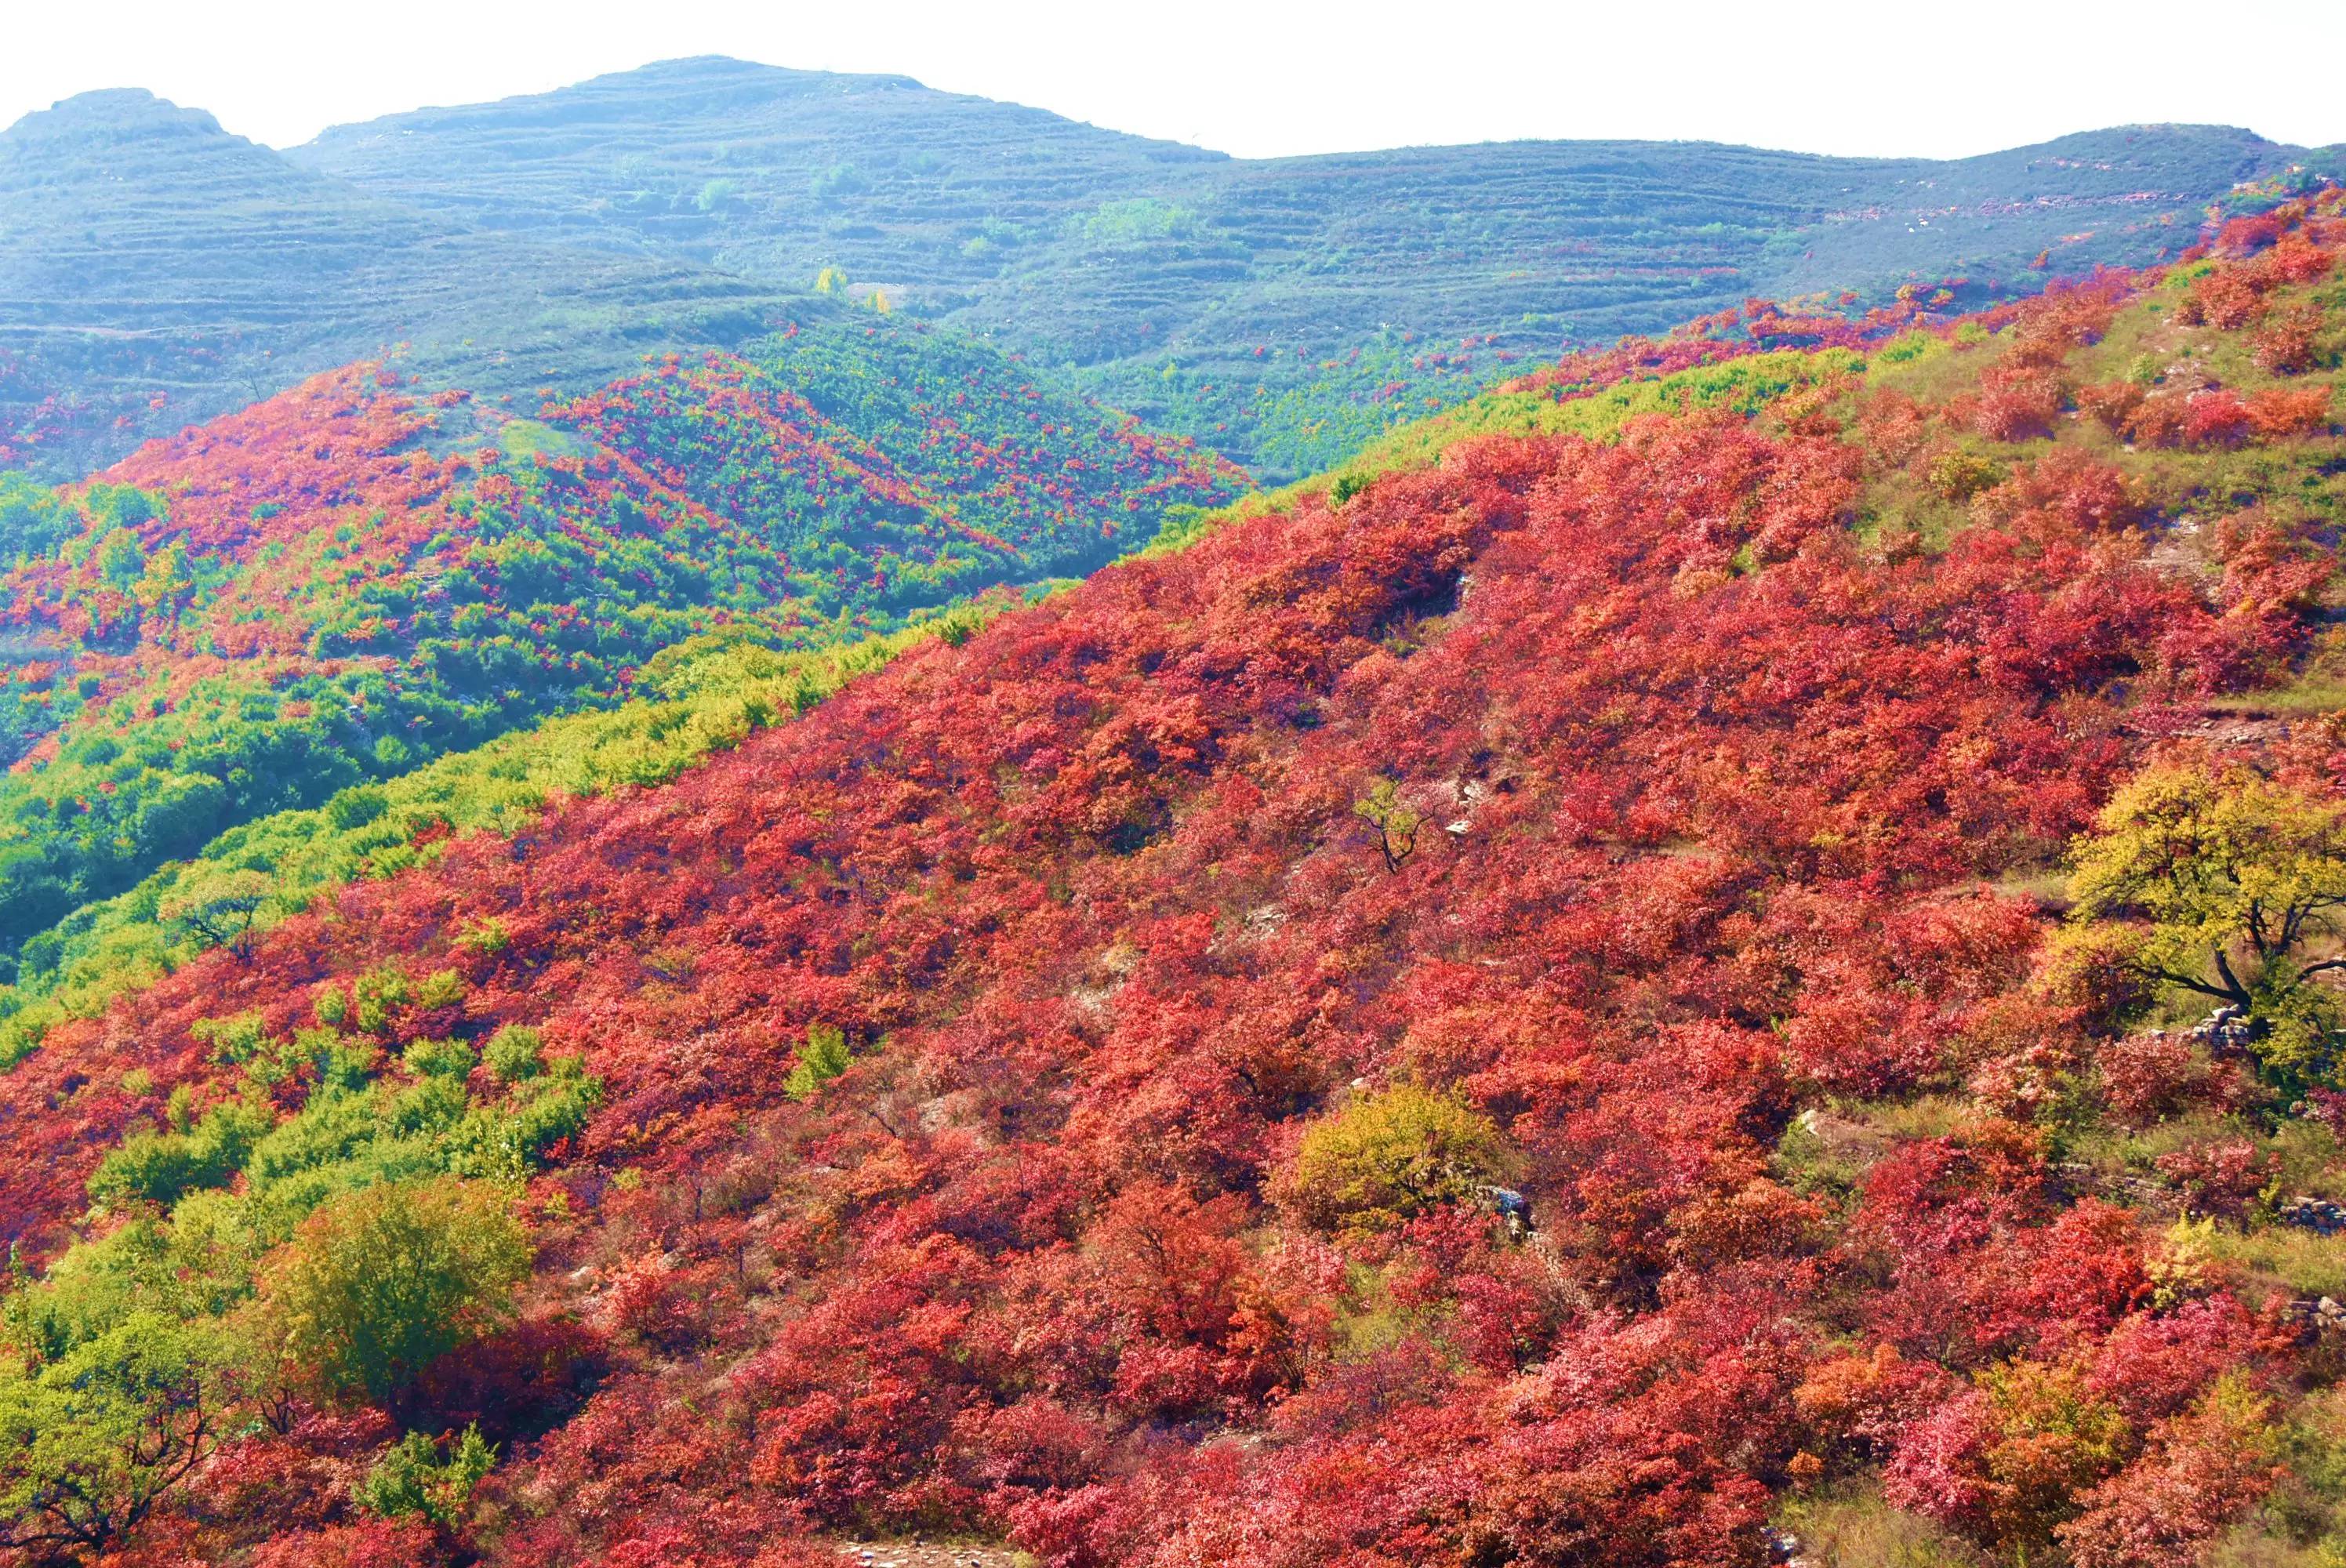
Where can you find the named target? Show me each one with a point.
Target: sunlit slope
(1634, 990)
(337, 585)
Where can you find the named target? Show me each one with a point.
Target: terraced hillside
(155, 270)
(1200, 291)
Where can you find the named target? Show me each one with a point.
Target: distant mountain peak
(178, 158)
(731, 68)
(693, 89)
(130, 109)
(125, 112)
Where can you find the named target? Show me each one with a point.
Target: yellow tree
(2217, 881)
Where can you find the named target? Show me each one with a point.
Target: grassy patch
(2284, 1259)
(529, 438)
(1850, 1527)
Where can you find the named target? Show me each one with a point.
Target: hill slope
(157, 271)
(1119, 255)
(1516, 1012)
(160, 271)
(303, 597)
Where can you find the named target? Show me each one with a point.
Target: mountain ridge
(1283, 311)
(157, 270)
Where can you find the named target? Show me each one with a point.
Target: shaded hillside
(1599, 996)
(1256, 279)
(309, 595)
(156, 271)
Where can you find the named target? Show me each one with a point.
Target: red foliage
(376, 1543)
(2286, 345)
(1710, 781)
(2147, 1078)
(2017, 403)
(2206, 1468)
(2218, 1178)
(2282, 413)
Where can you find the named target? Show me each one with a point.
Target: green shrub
(158, 1167)
(823, 1057)
(357, 806)
(440, 1059)
(440, 988)
(514, 1052)
(412, 1479)
(377, 1283)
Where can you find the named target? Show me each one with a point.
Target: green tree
(222, 913)
(379, 1282)
(823, 1057)
(165, 580)
(2220, 883)
(121, 563)
(32, 520)
(412, 1479)
(1396, 822)
(91, 1442)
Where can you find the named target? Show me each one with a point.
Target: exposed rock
(2315, 1214)
(2225, 1032)
(1514, 1209)
(924, 1554)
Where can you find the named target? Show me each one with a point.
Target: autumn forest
(1720, 947)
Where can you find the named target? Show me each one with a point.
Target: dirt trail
(900, 1554)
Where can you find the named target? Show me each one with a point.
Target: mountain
(1627, 981)
(1256, 279)
(333, 588)
(156, 271)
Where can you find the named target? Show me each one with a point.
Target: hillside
(1259, 281)
(157, 271)
(342, 583)
(1625, 983)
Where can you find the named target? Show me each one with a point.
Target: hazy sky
(1260, 77)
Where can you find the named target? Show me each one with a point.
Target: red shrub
(2220, 1179)
(375, 1543)
(2229, 297)
(2204, 1470)
(2286, 344)
(2160, 421)
(2147, 1078)
(2018, 402)
(2113, 404)
(2216, 417)
(2284, 414)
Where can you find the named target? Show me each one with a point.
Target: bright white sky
(1267, 77)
